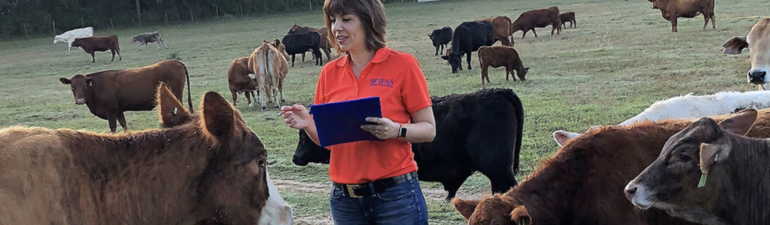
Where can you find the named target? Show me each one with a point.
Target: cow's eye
(261, 162)
(684, 158)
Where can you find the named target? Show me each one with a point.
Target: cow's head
(58, 38)
(293, 28)
(654, 4)
(280, 46)
(81, 87)
(671, 182)
(454, 59)
(522, 73)
(309, 152)
(498, 209)
(240, 190)
(758, 42)
(136, 38)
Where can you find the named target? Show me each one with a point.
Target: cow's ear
(465, 207)
(712, 153)
(65, 80)
(526, 69)
(562, 137)
(218, 116)
(170, 110)
(520, 216)
(741, 122)
(445, 57)
(735, 46)
(89, 82)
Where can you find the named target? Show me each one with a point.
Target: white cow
(690, 106)
(276, 210)
(70, 36)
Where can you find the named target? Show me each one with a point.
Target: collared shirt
(397, 79)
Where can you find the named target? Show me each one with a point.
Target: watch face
(403, 132)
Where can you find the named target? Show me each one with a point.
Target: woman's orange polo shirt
(397, 79)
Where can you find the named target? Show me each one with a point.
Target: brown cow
(709, 174)
(529, 20)
(271, 70)
(110, 93)
(568, 17)
(101, 44)
(240, 79)
(324, 43)
(501, 26)
(583, 182)
(211, 170)
(673, 9)
(759, 37)
(497, 56)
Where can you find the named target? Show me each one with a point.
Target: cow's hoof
(251, 105)
(264, 107)
(283, 100)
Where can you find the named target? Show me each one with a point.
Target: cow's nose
(757, 76)
(630, 191)
(298, 162)
(80, 101)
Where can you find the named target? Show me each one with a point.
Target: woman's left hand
(383, 129)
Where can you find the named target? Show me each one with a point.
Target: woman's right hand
(296, 116)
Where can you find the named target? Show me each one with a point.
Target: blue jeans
(399, 205)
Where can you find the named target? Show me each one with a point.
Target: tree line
(19, 18)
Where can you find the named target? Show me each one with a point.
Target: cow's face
(673, 182)
(498, 209)
(81, 87)
(293, 29)
(454, 59)
(135, 38)
(654, 4)
(758, 42)
(307, 151)
(58, 38)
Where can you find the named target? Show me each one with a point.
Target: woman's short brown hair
(371, 13)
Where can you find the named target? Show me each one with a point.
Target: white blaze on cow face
(639, 195)
(276, 210)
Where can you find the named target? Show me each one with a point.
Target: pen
(284, 111)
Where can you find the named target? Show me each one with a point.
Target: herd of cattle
(678, 170)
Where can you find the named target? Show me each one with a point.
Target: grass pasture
(620, 59)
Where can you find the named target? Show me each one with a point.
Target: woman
(374, 182)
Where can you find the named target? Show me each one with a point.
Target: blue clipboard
(340, 122)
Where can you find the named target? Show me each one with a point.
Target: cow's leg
(251, 105)
(706, 20)
(120, 57)
(508, 71)
(533, 31)
(524, 34)
(713, 24)
(484, 70)
(147, 45)
(113, 55)
(262, 92)
(292, 59)
(573, 22)
(454, 185)
(93, 59)
(69, 46)
(280, 88)
(122, 121)
(111, 119)
(235, 96)
(437, 46)
(673, 23)
(468, 59)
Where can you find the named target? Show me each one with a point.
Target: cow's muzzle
(80, 101)
(637, 194)
(757, 76)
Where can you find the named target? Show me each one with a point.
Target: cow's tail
(517, 106)
(189, 96)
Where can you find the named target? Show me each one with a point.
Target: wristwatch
(402, 131)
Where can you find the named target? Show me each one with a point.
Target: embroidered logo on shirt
(381, 82)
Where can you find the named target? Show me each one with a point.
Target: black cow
(298, 43)
(478, 131)
(441, 37)
(467, 38)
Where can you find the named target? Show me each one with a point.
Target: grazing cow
(324, 44)
(441, 37)
(583, 182)
(101, 44)
(497, 56)
(240, 80)
(568, 17)
(149, 38)
(467, 38)
(693, 107)
(270, 69)
(300, 43)
(759, 50)
(673, 9)
(212, 170)
(71, 35)
(110, 93)
(475, 131)
(501, 26)
(532, 19)
(710, 174)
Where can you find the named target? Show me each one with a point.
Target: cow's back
(535, 18)
(134, 88)
(497, 56)
(237, 75)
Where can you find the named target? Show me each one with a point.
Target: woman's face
(349, 32)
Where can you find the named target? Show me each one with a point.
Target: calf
(71, 35)
(529, 20)
(568, 17)
(149, 38)
(710, 174)
(240, 79)
(210, 171)
(673, 9)
(300, 43)
(101, 44)
(497, 56)
(440, 38)
(324, 43)
(759, 37)
(576, 185)
(501, 26)
(467, 38)
(475, 131)
(110, 93)
(270, 69)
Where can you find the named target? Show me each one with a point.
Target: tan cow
(270, 69)
(673, 9)
(501, 27)
(758, 42)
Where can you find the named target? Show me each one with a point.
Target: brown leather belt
(375, 187)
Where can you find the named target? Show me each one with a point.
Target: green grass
(620, 59)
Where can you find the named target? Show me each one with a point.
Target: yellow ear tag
(90, 84)
(704, 176)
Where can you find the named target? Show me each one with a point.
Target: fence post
(82, 23)
(192, 18)
(216, 8)
(310, 2)
(165, 12)
(111, 24)
(25, 28)
(53, 25)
